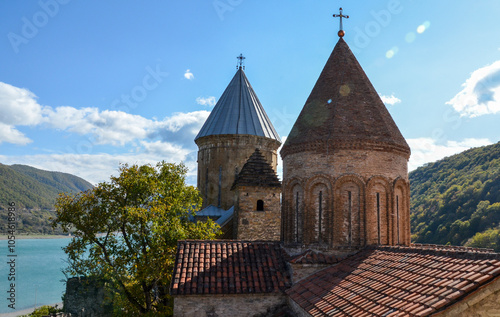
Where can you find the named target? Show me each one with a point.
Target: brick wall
(348, 198)
(222, 157)
(229, 305)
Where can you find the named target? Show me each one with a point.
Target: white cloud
(480, 94)
(18, 107)
(180, 120)
(426, 150)
(188, 75)
(97, 168)
(107, 127)
(390, 100)
(280, 161)
(9, 134)
(163, 149)
(152, 140)
(208, 101)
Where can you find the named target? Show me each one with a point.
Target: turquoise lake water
(38, 268)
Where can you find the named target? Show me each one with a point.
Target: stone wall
(220, 159)
(296, 309)
(86, 296)
(485, 302)
(348, 198)
(229, 305)
(252, 224)
(301, 271)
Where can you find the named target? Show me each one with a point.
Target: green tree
(127, 230)
(489, 239)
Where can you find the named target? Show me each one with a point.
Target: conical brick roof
(257, 172)
(344, 111)
(238, 111)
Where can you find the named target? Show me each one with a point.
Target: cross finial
(240, 61)
(341, 32)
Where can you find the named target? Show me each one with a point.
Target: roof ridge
(456, 251)
(229, 241)
(390, 280)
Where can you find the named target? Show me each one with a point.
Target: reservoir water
(38, 273)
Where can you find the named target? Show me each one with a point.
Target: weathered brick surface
(349, 181)
(228, 305)
(345, 175)
(222, 157)
(258, 225)
(258, 209)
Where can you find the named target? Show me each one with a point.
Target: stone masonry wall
(228, 305)
(87, 295)
(221, 157)
(258, 225)
(301, 271)
(485, 302)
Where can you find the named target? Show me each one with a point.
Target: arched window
(260, 205)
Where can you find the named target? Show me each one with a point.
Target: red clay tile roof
(344, 111)
(229, 267)
(390, 281)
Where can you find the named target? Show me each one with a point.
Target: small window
(260, 205)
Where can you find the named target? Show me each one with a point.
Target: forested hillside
(34, 192)
(457, 200)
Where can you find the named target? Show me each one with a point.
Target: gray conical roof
(238, 111)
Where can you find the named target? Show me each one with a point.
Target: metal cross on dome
(240, 61)
(341, 32)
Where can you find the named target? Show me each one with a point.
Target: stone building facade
(343, 222)
(345, 174)
(257, 210)
(221, 158)
(236, 126)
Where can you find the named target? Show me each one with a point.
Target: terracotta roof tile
(228, 267)
(397, 281)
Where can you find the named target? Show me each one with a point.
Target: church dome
(238, 111)
(344, 111)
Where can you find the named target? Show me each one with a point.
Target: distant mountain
(457, 200)
(35, 191)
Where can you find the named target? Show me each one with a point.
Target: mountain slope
(35, 188)
(456, 198)
(63, 182)
(34, 192)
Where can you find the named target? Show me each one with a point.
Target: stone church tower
(345, 175)
(257, 210)
(236, 127)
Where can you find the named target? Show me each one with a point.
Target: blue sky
(85, 86)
